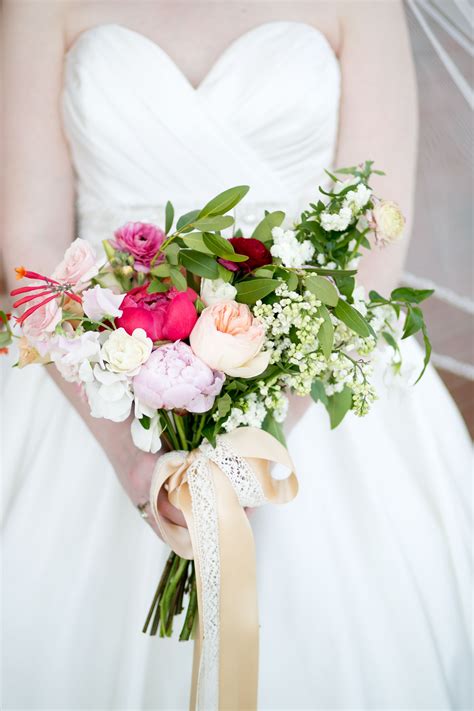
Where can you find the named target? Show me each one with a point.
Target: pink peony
(78, 265)
(165, 317)
(227, 337)
(174, 378)
(142, 241)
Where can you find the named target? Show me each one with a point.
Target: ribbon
(211, 486)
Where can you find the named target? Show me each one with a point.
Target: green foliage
(318, 393)
(274, 428)
(326, 333)
(248, 292)
(224, 202)
(338, 406)
(197, 263)
(263, 230)
(353, 319)
(169, 217)
(323, 289)
(222, 248)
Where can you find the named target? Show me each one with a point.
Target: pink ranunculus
(168, 316)
(40, 325)
(78, 265)
(142, 241)
(174, 378)
(227, 337)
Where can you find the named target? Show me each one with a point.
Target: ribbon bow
(211, 486)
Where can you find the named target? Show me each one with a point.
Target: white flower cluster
(354, 201)
(286, 247)
(251, 410)
(292, 324)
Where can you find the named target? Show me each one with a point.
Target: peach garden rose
(227, 337)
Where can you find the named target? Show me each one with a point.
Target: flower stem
(181, 431)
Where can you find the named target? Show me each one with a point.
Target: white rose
(388, 222)
(123, 353)
(148, 440)
(109, 395)
(214, 291)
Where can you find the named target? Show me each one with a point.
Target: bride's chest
(194, 33)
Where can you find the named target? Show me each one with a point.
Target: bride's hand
(137, 482)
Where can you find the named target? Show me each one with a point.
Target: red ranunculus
(168, 316)
(258, 255)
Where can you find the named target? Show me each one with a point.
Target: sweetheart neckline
(139, 36)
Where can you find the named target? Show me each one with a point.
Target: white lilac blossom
(353, 203)
(251, 410)
(286, 247)
(338, 221)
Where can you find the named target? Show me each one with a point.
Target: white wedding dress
(364, 580)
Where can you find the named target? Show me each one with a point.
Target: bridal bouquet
(200, 331)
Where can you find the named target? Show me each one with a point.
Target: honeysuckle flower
(175, 378)
(125, 353)
(99, 302)
(109, 395)
(228, 338)
(142, 241)
(387, 222)
(214, 291)
(78, 266)
(147, 438)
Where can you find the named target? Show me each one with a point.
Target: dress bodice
(140, 134)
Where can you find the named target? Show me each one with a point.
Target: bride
(112, 108)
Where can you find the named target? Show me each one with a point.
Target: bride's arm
(378, 117)
(38, 193)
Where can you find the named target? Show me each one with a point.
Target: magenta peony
(142, 241)
(174, 378)
(165, 317)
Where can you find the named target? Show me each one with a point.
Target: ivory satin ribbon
(211, 486)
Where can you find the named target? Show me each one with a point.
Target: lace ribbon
(211, 486)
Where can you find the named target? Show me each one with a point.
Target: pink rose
(227, 337)
(174, 378)
(78, 265)
(165, 317)
(40, 325)
(142, 241)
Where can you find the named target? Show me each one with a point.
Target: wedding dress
(364, 580)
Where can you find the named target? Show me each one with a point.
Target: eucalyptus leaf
(263, 230)
(187, 219)
(318, 392)
(390, 340)
(224, 274)
(214, 224)
(224, 405)
(326, 333)
(323, 289)
(169, 217)
(248, 292)
(198, 263)
(338, 406)
(428, 349)
(157, 287)
(224, 202)
(274, 428)
(353, 319)
(415, 296)
(162, 270)
(171, 253)
(195, 240)
(178, 279)
(414, 321)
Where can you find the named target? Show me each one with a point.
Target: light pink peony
(142, 241)
(40, 325)
(78, 265)
(227, 337)
(174, 378)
